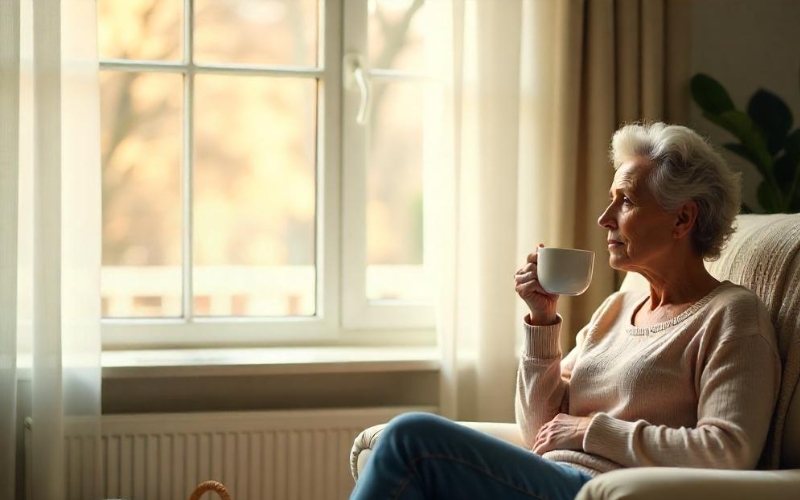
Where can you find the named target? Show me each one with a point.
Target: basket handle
(214, 486)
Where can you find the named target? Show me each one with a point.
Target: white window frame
(359, 312)
(343, 314)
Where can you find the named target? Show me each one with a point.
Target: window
(263, 165)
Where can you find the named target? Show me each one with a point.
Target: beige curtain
(602, 63)
(9, 159)
(536, 90)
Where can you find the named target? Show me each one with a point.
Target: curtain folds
(537, 89)
(9, 158)
(50, 248)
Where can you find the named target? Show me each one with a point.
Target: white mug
(565, 271)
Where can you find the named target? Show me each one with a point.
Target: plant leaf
(767, 198)
(787, 166)
(710, 95)
(742, 127)
(772, 116)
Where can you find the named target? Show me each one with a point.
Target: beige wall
(747, 45)
(274, 392)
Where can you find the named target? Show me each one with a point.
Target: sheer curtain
(535, 90)
(49, 248)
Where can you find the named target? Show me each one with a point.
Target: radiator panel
(274, 455)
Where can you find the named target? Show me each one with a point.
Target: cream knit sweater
(696, 391)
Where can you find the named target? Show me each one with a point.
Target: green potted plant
(766, 140)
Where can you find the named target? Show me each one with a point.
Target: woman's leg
(421, 456)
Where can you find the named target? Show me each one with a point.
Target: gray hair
(687, 168)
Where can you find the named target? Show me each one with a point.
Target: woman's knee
(410, 428)
(418, 423)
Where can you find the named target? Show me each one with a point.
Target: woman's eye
(626, 201)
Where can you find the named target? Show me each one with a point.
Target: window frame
(343, 314)
(357, 311)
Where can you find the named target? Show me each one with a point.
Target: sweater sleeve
(738, 389)
(542, 378)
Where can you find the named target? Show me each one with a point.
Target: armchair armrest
(668, 483)
(366, 441)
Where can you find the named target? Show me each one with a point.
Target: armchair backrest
(764, 256)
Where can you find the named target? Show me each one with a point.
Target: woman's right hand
(542, 305)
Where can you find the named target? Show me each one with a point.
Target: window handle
(356, 77)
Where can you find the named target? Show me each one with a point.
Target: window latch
(356, 78)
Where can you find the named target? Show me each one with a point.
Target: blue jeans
(419, 455)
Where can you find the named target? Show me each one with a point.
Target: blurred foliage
(766, 140)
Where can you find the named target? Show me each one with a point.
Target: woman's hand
(541, 304)
(564, 432)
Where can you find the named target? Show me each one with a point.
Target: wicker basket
(214, 486)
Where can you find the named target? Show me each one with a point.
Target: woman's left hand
(564, 432)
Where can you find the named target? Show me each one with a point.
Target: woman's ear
(686, 217)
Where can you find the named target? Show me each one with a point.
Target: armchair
(763, 255)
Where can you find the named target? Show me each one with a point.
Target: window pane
(140, 29)
(268, 32)
(396, 34)
(394, 194)
(141, 157)
(254, 201)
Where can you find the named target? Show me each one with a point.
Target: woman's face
(639, 230)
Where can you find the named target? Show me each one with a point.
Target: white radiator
(274, 455)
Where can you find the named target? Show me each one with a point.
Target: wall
(747, 45)
(274, 392)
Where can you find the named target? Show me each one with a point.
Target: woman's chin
(617, 263)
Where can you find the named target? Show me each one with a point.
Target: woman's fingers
(542, 446)
(524, 277)
(537, 443)
(541, 443)
(526, 289)
(545, 439)
(530, 262)
(533, 257)
(530, 287)
(527, 268)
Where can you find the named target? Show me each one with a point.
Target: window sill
(267, 361)
(259, 361)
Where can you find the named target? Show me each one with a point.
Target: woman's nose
(606, 220)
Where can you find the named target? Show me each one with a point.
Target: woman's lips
(614, 243)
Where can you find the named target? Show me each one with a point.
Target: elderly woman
(686, 375)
